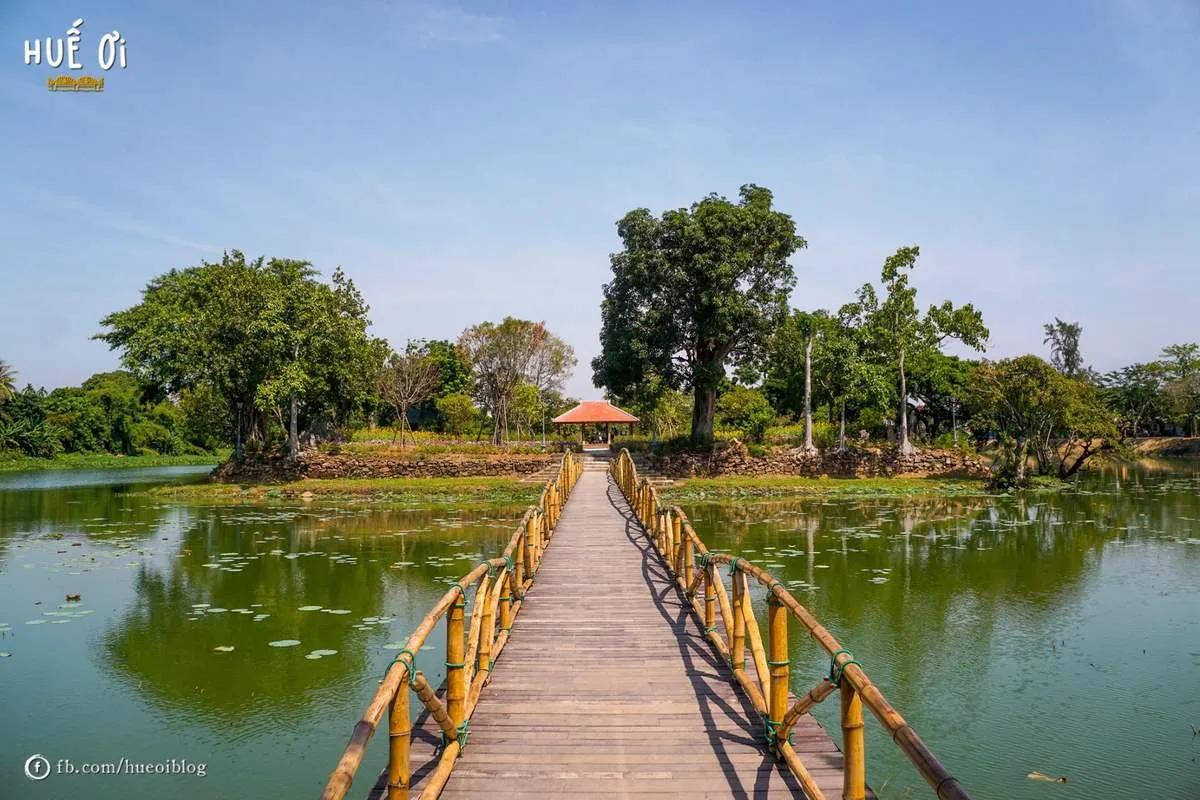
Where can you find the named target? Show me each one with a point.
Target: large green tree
(265, 336)
(898, 331)
(505, 355)
(1181, 362)
(1029, 402)
(692, 291)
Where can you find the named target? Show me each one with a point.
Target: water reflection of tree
(969, 576)
(82, 509)
(170, 657)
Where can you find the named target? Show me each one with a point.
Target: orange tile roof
(593, 411)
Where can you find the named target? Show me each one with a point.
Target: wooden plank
(608, 687)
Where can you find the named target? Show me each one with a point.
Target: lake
(1056, 632)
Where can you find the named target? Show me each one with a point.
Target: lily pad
(324, 652)
(312, 656)
(339, 611)
(309, 608)
(285, 643)
(5, 655)
(223, 648)
(217, 610)
(35, 622)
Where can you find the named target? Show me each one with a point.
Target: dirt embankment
(331, 466)
(1168, 446)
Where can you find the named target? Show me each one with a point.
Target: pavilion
(596, 412)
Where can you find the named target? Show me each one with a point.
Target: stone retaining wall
(736, 460)
(326, 465)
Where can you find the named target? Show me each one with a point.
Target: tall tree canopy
(1063, 338)
(693, 291)
(1033, 405)
(899, 332)
(506, 355)
(260, 335)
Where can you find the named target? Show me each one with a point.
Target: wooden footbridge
(604, 656)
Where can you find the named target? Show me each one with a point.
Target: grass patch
(485, 491)
(788, 486)
(105, 461)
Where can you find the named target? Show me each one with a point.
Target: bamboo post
(854, 754)
(506, 602)
(737, 638)
(486, 630)
(676, 536)
(777, 618)
(710, 599)
(688, 557)
(456, 687)
(527, 555)
(399, 738)
(669, 537)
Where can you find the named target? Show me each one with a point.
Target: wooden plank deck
(608, 688)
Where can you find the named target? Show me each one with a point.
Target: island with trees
(264, 365)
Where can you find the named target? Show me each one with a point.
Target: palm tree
(8, 381)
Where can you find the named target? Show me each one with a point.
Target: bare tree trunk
(905, 447)
(808, 421)
(293, 433)
(1022, 455)
(842, 429)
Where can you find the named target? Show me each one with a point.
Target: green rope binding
(733, 566)
(772, 598)
(710, 629)
(455, 664)
(785, 663)
(410, 663)
(836, 670)
(464, 733)
(772, 734)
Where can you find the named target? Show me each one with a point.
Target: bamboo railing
(500, 586)
(696, 571)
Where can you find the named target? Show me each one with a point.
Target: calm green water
(1058, 633)
(130, 671)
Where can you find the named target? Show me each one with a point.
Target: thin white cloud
(111, 220)
(430, 24)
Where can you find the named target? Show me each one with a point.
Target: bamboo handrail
(500, 586)
(769, 694)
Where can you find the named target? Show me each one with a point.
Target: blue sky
(467, 161)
